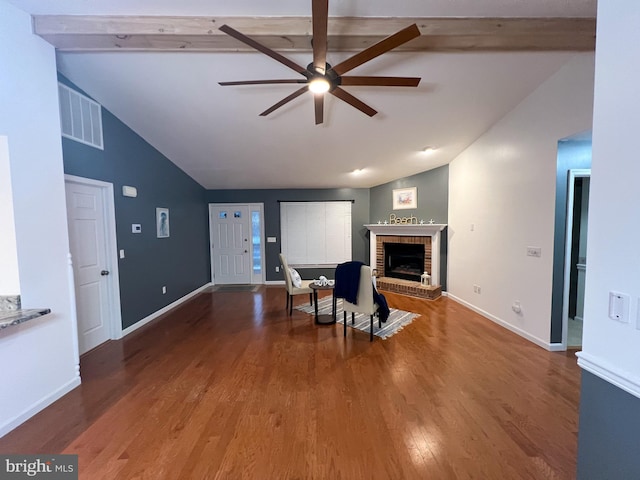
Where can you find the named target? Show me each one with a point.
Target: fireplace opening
(404, 260)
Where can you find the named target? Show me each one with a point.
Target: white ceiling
(214, 133)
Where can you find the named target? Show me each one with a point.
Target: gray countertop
(14, 317)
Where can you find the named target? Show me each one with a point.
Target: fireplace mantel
(432, 230)
(427, 229)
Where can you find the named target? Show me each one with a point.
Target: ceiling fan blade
(383, 46)
(261, 82)
(261, 48)
(284, 101)
(318, 101)
(381, 81)
(353, 101)
(320, 15)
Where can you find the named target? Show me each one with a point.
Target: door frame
(571, 183)
(255, 279)
(111, 242)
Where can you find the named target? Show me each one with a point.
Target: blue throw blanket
(383, 308)
(347, 281)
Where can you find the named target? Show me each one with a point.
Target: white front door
(230, 243)
(87, 226)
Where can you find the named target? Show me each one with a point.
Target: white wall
(39, 357)
(504, 184)
(612, 349)
(9, 277)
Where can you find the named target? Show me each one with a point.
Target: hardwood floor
(228, 386)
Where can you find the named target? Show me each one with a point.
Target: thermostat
(128, 191)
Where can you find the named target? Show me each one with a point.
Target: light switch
(271, 239)
(121, 253)
(619, 307)
(534, 251)
(136, 228)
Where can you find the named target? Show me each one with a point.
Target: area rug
(235, 288)
(396, 321)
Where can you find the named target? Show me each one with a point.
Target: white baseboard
(162, 311)
(39, 406)
(552, 347)
(609, 373)
(274, 282)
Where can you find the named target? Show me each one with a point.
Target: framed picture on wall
(162, 222)
(405, 198)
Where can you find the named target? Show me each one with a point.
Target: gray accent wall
(180, 262)
(572, 154)
(433, 203)
(271, 200)
(608, 431)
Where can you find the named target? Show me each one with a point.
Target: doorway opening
(575, 257)
(574, 158)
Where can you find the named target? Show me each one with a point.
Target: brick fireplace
(426, 235)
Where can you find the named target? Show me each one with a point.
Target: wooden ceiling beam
(144, 33)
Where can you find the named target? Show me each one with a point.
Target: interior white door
(86, 220)
(230, 243)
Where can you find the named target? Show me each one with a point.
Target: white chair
(364, 302)
(291, 288)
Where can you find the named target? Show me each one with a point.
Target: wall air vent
(80, 117)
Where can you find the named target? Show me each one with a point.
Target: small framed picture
(405, 198)
(162, 222)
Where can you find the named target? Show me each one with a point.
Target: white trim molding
(552, 347)
(39, 406)
(609, 373)
(432, 230)
(163, 310)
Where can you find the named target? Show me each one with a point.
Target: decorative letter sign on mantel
(410, 230)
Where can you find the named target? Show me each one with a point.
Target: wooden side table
(324, 319)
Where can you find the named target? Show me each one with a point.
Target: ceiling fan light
(319, 85)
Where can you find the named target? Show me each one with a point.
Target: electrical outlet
(477, 289)
(277, 269)
(164, 290)
(516, 307)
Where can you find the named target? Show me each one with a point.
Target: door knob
(104, 272)
(246, 251)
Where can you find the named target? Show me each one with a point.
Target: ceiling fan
(319, 76)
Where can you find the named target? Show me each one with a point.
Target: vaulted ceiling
(156, 65)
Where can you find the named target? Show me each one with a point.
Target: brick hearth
(407, 287)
